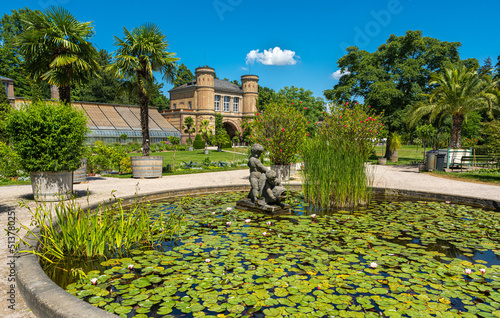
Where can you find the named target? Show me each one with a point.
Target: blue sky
(298, 42)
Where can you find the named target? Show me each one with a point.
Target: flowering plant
(281, 129)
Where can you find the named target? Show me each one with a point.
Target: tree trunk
(388, 151)
(65, 94)
(456, 131)
(143, 102)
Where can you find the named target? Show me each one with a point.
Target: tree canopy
(394, 77)
(140, 53)
(183, 75)
(57, 50)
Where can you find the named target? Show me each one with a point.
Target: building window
(236, 101)
(190, 106)
(226, 103)
(174, 106)
(217, 103)
(7, 89)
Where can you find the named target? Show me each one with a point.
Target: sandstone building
(206, 95)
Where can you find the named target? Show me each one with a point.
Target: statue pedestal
(247, 205)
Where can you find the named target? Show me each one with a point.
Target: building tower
(205, 93)
(250, 86)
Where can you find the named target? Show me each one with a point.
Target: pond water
(393, 259)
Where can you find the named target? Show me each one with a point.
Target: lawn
(408, 154)
(196, 156)
(487, 176)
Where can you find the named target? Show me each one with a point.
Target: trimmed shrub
(48, 136)
(198, 142)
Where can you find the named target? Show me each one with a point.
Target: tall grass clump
(67, 230)
(335, 175)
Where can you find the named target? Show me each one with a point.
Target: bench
(478, 160)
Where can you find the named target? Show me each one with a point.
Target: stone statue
(266, 194)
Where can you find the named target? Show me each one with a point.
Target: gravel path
(99, 189)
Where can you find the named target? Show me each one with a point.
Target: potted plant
(140, 53)
(394, 144)
(189, 129)
(281, 129)
(206, 132)
(49, 139)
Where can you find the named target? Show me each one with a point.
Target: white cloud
(338, 74)
(274, 56)
(244, 68)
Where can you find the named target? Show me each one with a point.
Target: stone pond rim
(48, 300)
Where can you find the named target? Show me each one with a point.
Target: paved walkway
(398, 177)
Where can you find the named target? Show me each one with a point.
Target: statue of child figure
(257, 172)
(265, 183)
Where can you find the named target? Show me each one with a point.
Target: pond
(393, 259)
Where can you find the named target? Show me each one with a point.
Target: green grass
(488, 176)
(8, 182)
(196, 156)
(408, 154)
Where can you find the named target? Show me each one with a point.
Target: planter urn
(52, 186)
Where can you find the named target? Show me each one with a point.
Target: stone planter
(146, 167)
(52, 186)
(190, 148)
(382, 161)
(206, 152)
(80, 175)
(283, 171)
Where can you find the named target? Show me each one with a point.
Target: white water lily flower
(93, 281)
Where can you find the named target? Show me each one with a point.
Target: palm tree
(142, 52)
(56, 49)
(206, 131)
(460, 91)
(188, 128)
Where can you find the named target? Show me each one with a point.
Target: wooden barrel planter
(52, 186)
(146, 167)
(80, 175)
(382, 161)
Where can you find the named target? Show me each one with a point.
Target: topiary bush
(48, 136)
(198, 142)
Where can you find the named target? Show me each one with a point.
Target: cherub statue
(257, 172)
(273, 192)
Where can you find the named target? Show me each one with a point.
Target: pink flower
(213, 213)
(307, 134)
(267, 139)
(248, 221)
(201, 243)
(468, 271)
(131, 266)
(228, 223)
(373, 265)
(281, 150)
(292, 103)
(257, 114)
(305, 108)
(93, 281)
(319, 286)
(207, 260)
(264, 233)
(268, 223)
(300, 102)
(483, 271)
(228, 209)
(448, 202)
(345, 125)
(347, 218)
(313, 215)
(282, 129)
(369, 106)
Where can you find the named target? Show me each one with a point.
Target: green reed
(335, 174)
(67, 230)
